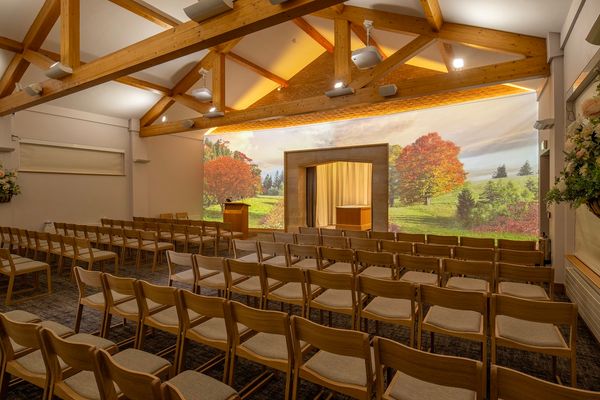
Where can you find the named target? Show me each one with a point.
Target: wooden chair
(91, 234)
(139, 225)
(304, 256)
(149, 243)
(180, 236)
(356, 234)
(338, 260)
(42, 245)
(104, 237)
(84, 252)
(306, 230)
(89, 280)
(293, 290)
(269, 343)
(396, 247)
(208, 328)
(335, 242)
(178, 261)
(410, 237)
(433, 250)
(363, 244)
(265, 237)
(182, 215)
(30, 242)
(521, 257)
(521, 245)
(483, 243)
(419, 270)
(118, 242)
(508, 384)
(377, 265)
(337, 294)
(22, 266)
(254, 285)
(206, 276)
(5, 238)
(421, 375)
(121, 301)
(250, 246)
(534, 326)
(381, 235)
(525, 282)
(443, 240)
(273, 253)
(21, 240)
(166, 216)
(197, 238)
(475, 253)
(331, 232)
(393, 302)
(475, 276)
(60, 228)
(343, 362)
(55, 249)
(103, 221)
(284, 237)
(309, 240)
(456, 313)
(165, 232)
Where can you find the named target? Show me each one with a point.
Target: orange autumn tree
(429, 167)
(228, 177)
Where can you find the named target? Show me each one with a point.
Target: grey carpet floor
(61, 307)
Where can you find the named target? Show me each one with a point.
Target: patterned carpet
(61, 307)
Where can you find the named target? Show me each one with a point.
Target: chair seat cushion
(98, 254)
(196, 386)
(390, 308)
(422, 278)
(306, 263)
(268, 345)
(454, 320)
(160, 245)
(56, 328)
(529, 333)
(252, 284)
(217, 281)
(523, 290)
(128, 307)
(277, 261)
(465, 283)
(24, 267)
(253, 257)
(94, 340)
(84, 384)
(186, 276)
(21, 316)
(341, 267)
(406, 387)
(378, 272)
(207, 272)
(334, 298)
(215, 329)
(142, 361)
(338, 368)
(292, 291)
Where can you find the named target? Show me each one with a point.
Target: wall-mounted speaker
(388, 90)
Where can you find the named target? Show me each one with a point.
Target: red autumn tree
(429, 167)
(228, 177)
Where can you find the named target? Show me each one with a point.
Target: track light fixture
(388, 90)
(213, 113)
(205, 9)
(339, 89)
(34, 89)
(188, 123)
(58, 71)
(203, 93)
(369, 56)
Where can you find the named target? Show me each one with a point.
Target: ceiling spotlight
(338, 85)
(206, 9)
(203, 93)
(58, 71)
(163, 119)
(188, 123)
(369, 56)
(35, 89)
(339, 89)
(213, 113)
(458, 63)
(212, 109)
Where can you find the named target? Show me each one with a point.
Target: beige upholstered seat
(421, 278)
(292, 291)
(454, 320)
(278, 261)
(419, 269)
(334, 298)
(406, 387)
(191, 383)
(267, 345)
(523, 290)
(390, 308)
(340, 267)
(22, 266)
(21, 316)
(466, 283)
(339, 368)
(215, 329)
(337, 294)
(273, 253)
(306, 263)
(526, 282)
(528, 332)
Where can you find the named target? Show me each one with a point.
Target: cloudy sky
(490, 133)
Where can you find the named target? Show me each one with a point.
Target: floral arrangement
(579, 181)
(8, 183)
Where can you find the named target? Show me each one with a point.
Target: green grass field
(437, 218)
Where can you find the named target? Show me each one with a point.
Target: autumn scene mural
(449, 171)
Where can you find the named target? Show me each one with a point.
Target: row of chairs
(262, 335)
(177, 215)
(78, 366)
(524, 257)
(451, 240)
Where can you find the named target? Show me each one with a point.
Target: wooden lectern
(236, 214)
(353, 218)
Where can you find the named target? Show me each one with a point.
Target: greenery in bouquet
(8, 182)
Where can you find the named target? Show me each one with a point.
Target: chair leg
(78, 318)
(9, 291)
(49, 279)
(573, 370)
(107, 322)
(231, 370)
(154, 260)
(181, 360)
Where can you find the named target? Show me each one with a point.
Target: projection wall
(469, 169)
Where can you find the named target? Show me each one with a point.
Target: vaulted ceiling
(259, 63)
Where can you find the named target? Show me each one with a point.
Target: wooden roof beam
(218, 82)
(69, 33)
(433, 14)
(500, 41)
(488, 75)
(447, 52)
(257, 68)
(361, 33)
(313, 33)
(248, 16)
(342, 51)
(149, 12)
(11, 45)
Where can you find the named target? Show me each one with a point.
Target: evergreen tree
(465, 205)
(525, 169)
(267, 184)
(278, 181)
(500, 172)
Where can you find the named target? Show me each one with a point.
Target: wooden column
(69, 33)
(342, 51)
(218, 82)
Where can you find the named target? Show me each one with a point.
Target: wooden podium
(236, 214)
(353, 218)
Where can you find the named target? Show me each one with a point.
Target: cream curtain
(341, 184)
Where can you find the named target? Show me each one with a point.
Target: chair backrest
(442, 239)
(82, 244)
(134, 385)
(69, 241)
(265, 321)
(477, 242)
(285, 274)
(313, 240)
(523, 273)
(41, 239)
(304, 251)
(244, 245)
(22, 333)
(60, 228)
(419, 263)
(438, 369)
(364, 244)
(85, 279)
(208, 306)
(265, 237)
(454, 299)
(388, 288)
(127, 224)
(330, 232)
(475, 253)
(338, 242)
(139, 225)
(148, 236)
(373, 258)
(396, 247)
(54, 241)
(211, 263)
(121, 285)
(479, 269)
(523, 257)
(508, 384)
(271, 249)
(182, 215)
(436, 250)
(382, 235)
(166, 216)
(180, 229)
(331, 280)
(175, 260)
(103, 221)
(357, 234)
(308, 230)
(337, 254)
(5, 257)
(523, 245)
(284, 237)
(131, 234)
(410, 237)
(244, 268)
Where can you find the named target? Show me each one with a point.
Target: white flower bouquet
(8, 184)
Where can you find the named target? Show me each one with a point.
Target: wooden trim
(149, 12)
(69, 33)
(313, 33)
(10, 45)
(433, 13)
(156, 111)
(582, 267)
(248, 16)
(257, 68)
